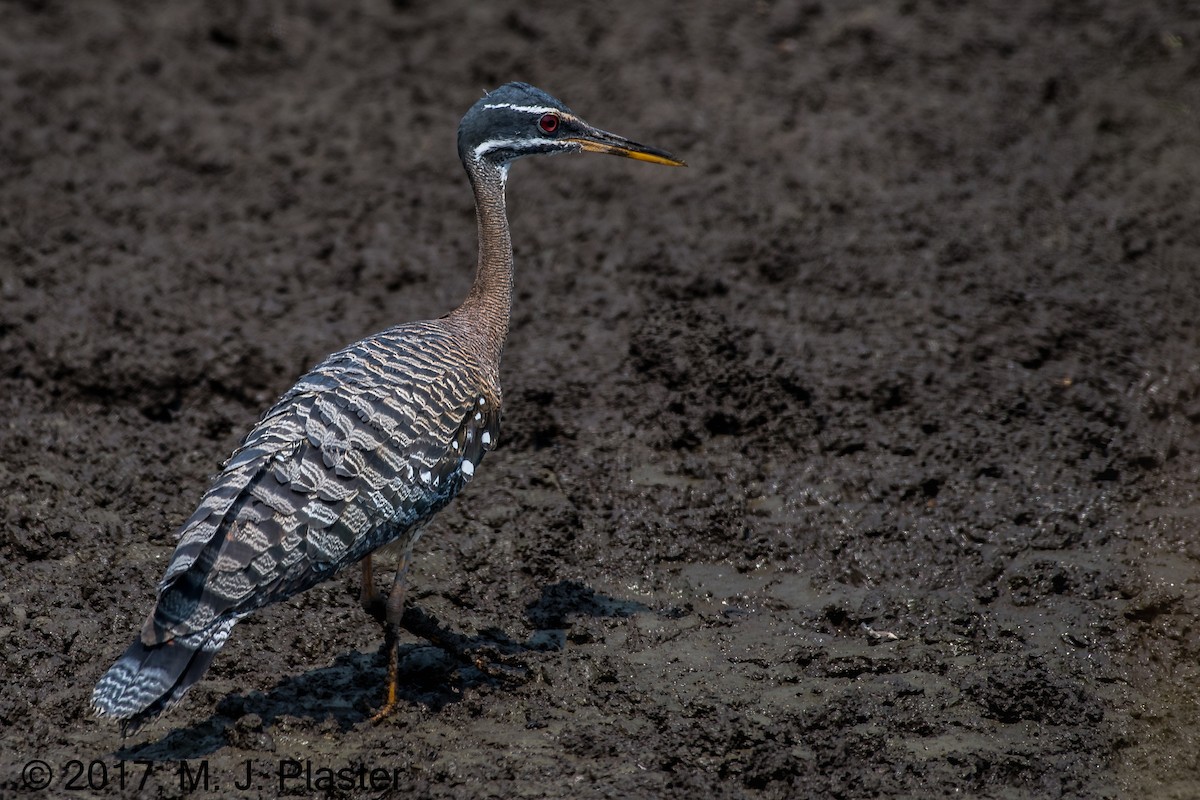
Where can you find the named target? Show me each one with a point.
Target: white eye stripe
(529, 109)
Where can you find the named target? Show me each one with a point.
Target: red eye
(548, 123)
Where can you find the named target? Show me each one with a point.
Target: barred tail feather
(147, 680)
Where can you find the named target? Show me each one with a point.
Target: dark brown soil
(859, 459)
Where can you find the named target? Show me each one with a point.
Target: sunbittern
(360, 453)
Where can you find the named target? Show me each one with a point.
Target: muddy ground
(859, 459)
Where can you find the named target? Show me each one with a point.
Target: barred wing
(363, 450)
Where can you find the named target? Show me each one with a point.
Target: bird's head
(520, 120)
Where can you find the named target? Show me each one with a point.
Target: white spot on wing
(468, 468)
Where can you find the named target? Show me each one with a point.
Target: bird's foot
(386, 711)
(486, 659)
(390, 641)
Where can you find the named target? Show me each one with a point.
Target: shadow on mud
(345, 694)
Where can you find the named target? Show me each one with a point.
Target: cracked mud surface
(859, 459)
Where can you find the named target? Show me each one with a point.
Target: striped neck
(488, 305)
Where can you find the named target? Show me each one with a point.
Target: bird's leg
(393, 620)
(367, 594)
(395, 617)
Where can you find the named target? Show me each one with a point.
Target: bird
(364, 449)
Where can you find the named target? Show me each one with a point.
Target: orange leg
(394, 615)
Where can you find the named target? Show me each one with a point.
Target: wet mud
(858, 459)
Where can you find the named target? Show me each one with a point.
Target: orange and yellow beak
(595, 140)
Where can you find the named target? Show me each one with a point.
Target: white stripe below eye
(527, 146)
(496, 144)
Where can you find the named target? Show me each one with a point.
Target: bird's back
(360, 452)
